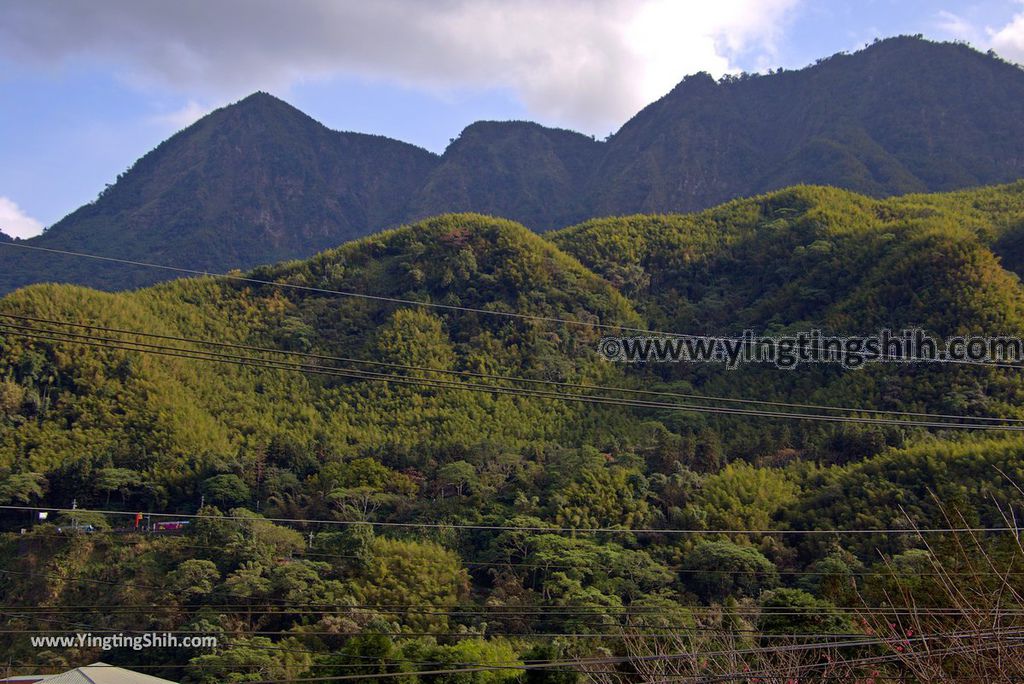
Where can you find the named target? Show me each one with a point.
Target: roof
(97, 673)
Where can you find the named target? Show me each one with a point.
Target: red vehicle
(170, 525)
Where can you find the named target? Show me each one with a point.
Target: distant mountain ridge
(259, 181)
(904, 115)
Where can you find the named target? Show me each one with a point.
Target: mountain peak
(914, 42)
(259, 180)
(258, 108)
(515, 132)
(488, 126)
(261, 96)
(903, 115)
(263, 101)
(901, 53)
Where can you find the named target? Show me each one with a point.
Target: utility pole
(74, 519)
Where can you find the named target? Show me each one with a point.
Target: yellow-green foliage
(133, 431)
(411, 573)
(177, 419)
(743, 497)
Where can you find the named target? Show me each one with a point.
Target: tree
(193, 578)
(721, 568)
(211, 529)
(82, 520)
(550, 650)
(11, 396)
(120, 480)
(834, 577)
(458, 474)
(302, 582)
(744, 497)
(249, 582)
(363, 485)
(258, 539)
(21, 487)
(364, 655)
(605, 497)
(414, 337)
(794, 611)
(351, 550)
(564, 562)
(484, 652)
(406, 573)
(248, 660)
(226, 489)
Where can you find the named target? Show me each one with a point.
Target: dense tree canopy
(346, 525)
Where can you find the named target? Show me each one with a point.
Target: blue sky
(88, 87)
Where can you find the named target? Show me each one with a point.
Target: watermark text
(789, 351)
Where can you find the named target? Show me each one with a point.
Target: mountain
(392, 513)
(904, 115)
(517, 170)
(259, 181)
(461, 260)
(255, 182)
(796, 259)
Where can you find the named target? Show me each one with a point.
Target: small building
(97, 673)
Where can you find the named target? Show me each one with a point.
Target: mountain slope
(796, 259)
(259, 181)
(483, 504)
(518, 170)
(255, 182)
(808, 258)
(904, 115)
(119, 408)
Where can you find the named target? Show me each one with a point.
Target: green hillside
(530, 476)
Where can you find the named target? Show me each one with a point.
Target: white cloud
(191, 112)
(956, 26)
(1009, 40)
(15, 222)
(588, 63)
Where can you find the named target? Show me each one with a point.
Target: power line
(482, 610)
(789, 669)
(631, 612)
(549, 665)
(200, 355)
(612, 660)
(524, 528)
(469, 610)
(147, 536)
(405, 634)
(450, 307)
(491, 376)
(794, 647)
(578, 663)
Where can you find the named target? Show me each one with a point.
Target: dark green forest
(351, 526)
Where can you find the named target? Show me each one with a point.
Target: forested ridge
(259, 181)
(456, 525)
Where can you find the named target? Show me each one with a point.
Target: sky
(89, 86)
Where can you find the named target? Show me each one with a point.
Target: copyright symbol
(610, 348)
